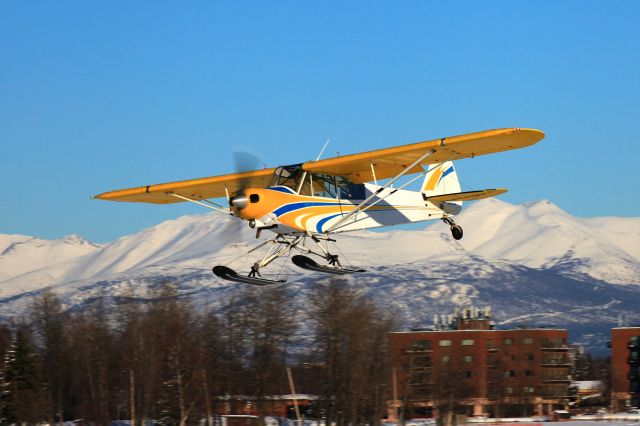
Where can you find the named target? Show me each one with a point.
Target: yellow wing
(357, 167)
(391, 161)
(203, 188)
(467, 196)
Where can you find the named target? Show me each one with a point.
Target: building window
(445, 359)
(527, 340)
(530, 357)
(528, 389)
(468, 342)
(509, 373)
(445, 342)
(422, 361)
(467, 374)
(467, 358)
(491, 344)
(508, 341)
(420, 345)
(508, 390)
(528, 373)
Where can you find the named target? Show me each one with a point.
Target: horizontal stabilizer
(467, 196)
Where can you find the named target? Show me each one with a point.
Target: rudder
(441, 179)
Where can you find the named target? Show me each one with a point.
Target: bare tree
(350, 339)
(48, 319)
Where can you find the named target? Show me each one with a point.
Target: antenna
(323, 148)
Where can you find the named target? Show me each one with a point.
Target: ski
(231, 275)
(311, 265)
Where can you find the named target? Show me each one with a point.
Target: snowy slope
(20, 254)
(540, 234)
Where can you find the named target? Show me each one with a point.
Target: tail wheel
(456, 232)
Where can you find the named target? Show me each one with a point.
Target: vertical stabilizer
(441, 179)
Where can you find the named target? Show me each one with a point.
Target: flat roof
(477, 331)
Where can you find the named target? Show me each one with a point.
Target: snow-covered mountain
(20, 254)
(534, 263)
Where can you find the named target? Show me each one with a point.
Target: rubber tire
(456, 232)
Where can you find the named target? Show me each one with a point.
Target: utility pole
(293, 394)
(395, 395)
(206, 397)
(132, 396)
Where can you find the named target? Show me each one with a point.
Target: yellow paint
(433, 179)
(357, 167)
(467, 196)
(203, 188)
(390, 161)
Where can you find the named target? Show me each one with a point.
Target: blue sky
(96, 96)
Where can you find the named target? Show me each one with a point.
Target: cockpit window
(317, 184)
(353, 191)
(287, 176)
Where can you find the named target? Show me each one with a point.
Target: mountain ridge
(509, 256)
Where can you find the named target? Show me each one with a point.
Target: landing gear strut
(281, 246)
(456, 230)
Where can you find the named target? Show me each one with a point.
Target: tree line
(165, 360)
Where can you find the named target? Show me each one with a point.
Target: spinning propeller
(244, 162)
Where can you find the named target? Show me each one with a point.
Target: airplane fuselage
(293, 212)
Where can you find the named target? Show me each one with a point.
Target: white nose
(240, 201)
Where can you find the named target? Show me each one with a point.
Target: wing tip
(537, 135)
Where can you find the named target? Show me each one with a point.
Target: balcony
(420, 384)
(556, 379)
(554, 347)
(633, 360)
(418, 368)
(555, 362)
(417, 350)
(552, 396)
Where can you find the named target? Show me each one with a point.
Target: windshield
(317, 184)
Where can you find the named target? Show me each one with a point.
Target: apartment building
(464, 365)
(625, 367)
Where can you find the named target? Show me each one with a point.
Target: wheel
(456, 232)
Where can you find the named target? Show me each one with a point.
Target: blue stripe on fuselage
(284, 189)
(321, 222)
(296, 206)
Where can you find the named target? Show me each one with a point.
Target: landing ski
(311, 265)
(231, 275)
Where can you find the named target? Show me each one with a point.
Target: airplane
(307, 204)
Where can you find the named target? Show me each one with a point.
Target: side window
(353, 191)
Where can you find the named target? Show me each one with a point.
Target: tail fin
(441, 179)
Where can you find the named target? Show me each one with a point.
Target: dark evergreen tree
(23, 391)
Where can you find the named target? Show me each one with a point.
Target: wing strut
(399, 188)
(382, 188)
(208, 204)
